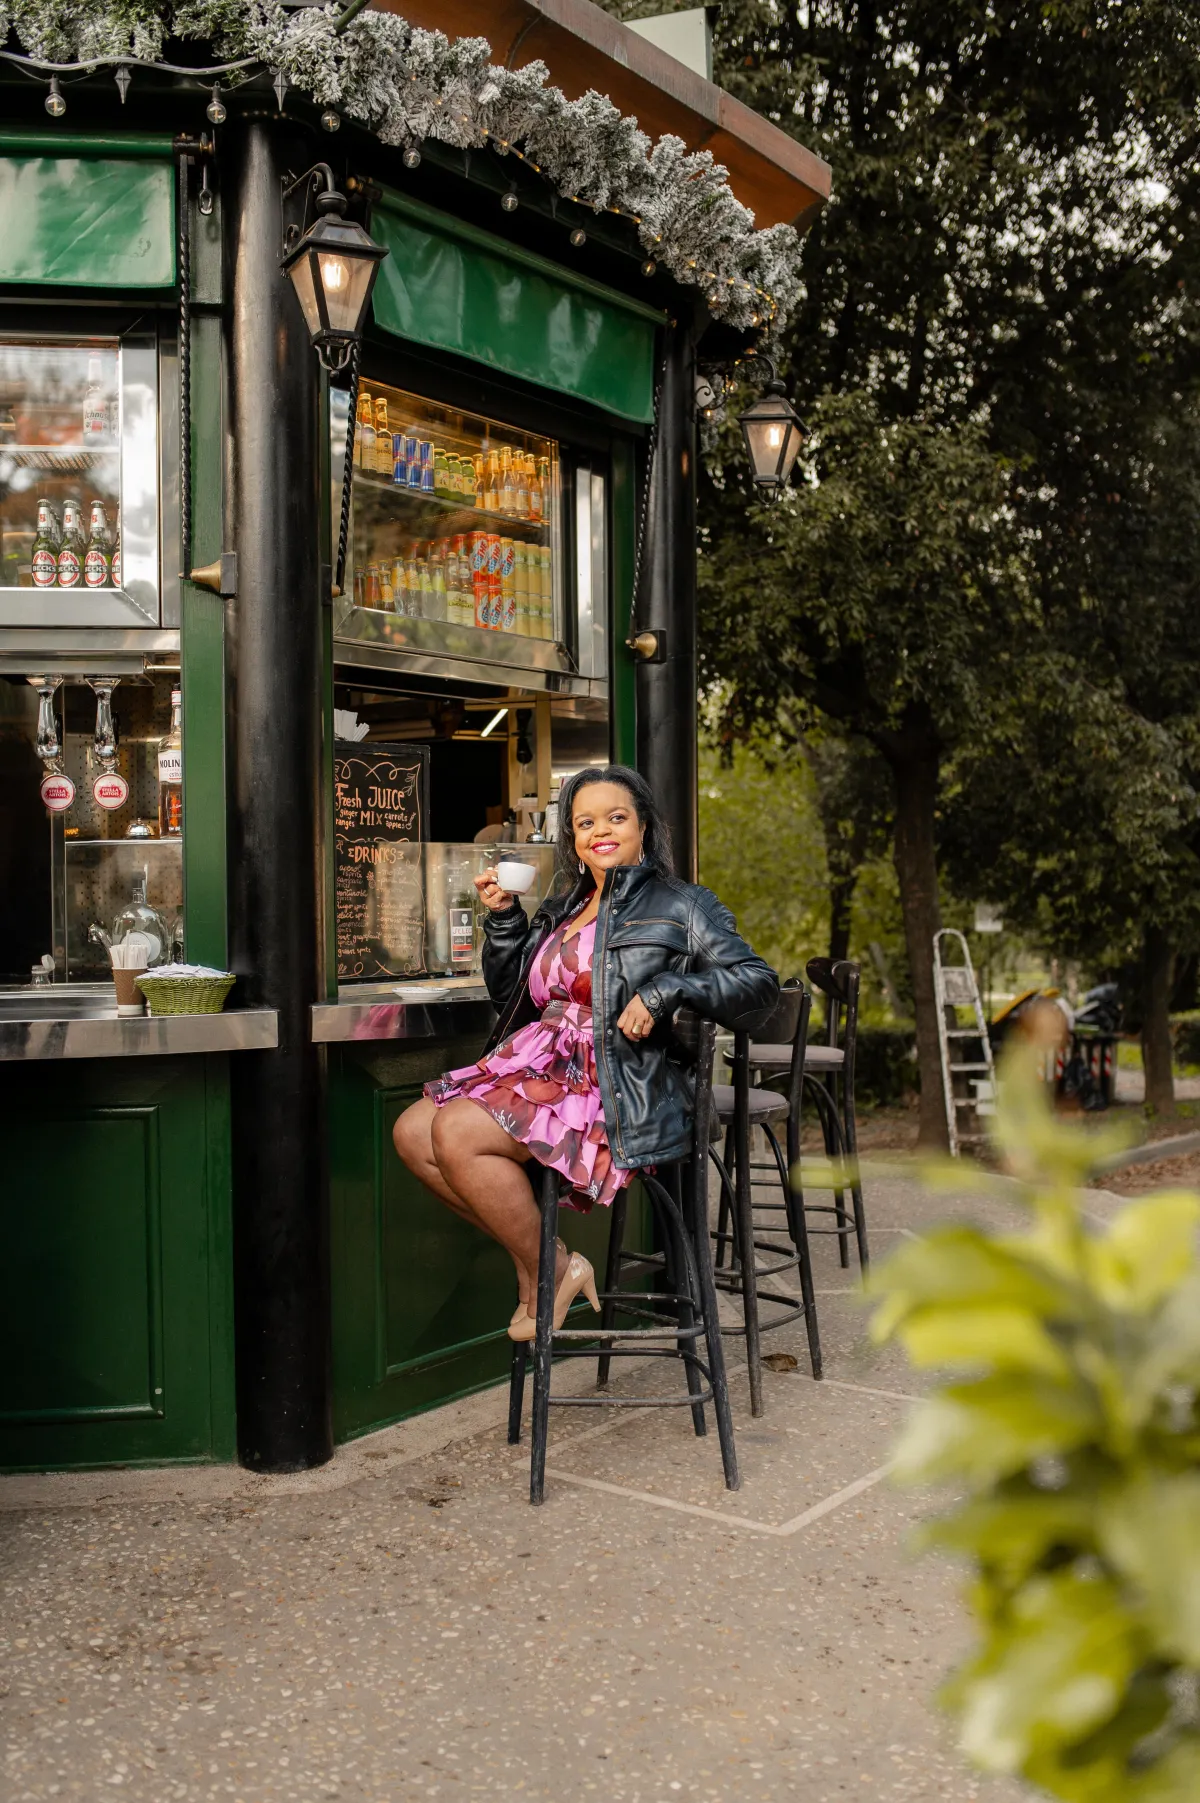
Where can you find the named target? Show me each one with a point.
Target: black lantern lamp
(332, 265)
(774, 432)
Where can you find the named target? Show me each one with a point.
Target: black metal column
(666, 692)
(274, 628)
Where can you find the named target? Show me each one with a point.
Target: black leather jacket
(670, 942)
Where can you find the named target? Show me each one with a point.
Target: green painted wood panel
(421, 1300)
(87, 222)
(459, 289)
(116, 1337)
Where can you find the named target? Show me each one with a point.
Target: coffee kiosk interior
(285, 660)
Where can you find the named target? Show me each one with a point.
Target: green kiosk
(308, 603)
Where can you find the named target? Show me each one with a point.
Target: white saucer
(420, 992)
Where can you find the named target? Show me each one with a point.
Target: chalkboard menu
(380, 809)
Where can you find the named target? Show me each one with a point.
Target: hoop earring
(582, 866)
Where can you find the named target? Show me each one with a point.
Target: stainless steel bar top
(103, 1034)
(365, 1011)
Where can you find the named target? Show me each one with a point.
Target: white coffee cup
(516, 877)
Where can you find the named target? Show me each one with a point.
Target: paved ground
(403, 1625)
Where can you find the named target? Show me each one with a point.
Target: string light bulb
(56, 106)
(411, 158)
(649, 267)
(330, 120)
(510, 201)
(578, 237)
(215, 112)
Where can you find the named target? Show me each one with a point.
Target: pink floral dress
(541, 1084)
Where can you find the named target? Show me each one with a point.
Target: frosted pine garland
(407, 84)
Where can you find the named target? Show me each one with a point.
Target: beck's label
(69, 570)
(45, 569)
(95, 569)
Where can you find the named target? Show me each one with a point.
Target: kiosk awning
(87, 212)
(452, 286)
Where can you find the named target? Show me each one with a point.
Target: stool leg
(831, 1127)
(543, 1345)
(723, 1208)
(516, 1390)
(744, 1207)
(798, 1228)
(850, 1135)
(688, 1303)
(715, 1345)
(612, 1281)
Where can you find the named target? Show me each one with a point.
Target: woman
(583, 1072)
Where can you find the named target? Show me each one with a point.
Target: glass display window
(78, 481)
(455, 518)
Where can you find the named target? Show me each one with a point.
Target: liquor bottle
(383, 438)
(522, 478)
(45, 548)
(480, 481)
(170, 773)
(508, 484)
(491, 491)
(97, 407)
(114, 566)
(72, 550)
(364, 435)
(460, 919)
(97, 562)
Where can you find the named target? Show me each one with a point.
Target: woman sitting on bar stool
(540, 1091)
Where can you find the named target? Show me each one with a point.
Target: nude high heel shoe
(521, 1313)
(577, 1276)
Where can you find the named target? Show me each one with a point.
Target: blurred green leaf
(1005, 1337)
(1150, 1532)
(1148, 1250)
(989, 1429)
(1057, 1671)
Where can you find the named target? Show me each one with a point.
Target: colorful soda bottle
(495, 597)
(547, 596)
(508, 586)
(479, 578)
(521, 584)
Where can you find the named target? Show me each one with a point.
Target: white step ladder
(955, 987)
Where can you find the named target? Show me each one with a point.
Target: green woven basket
(185, 995)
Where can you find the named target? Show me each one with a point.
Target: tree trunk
(1158, 966)
(841, 902)
(914, 756)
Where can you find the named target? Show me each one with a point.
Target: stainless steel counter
(456, 1006)
(37, 1025)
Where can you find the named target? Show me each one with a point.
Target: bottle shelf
(448, 517)
(62, 459)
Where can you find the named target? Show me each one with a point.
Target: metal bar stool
(739, 1107)
(680, 1316)
(829, 1081)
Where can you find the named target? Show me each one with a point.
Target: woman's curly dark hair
(656, 840)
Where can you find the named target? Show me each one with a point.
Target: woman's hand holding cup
(491, 894)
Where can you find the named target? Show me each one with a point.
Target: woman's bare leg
(484, 1167)
(412, 1137)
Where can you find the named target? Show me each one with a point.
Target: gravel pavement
(402, 1625)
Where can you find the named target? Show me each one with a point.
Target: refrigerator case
(79, 425)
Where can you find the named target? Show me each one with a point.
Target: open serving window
(79, 488)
